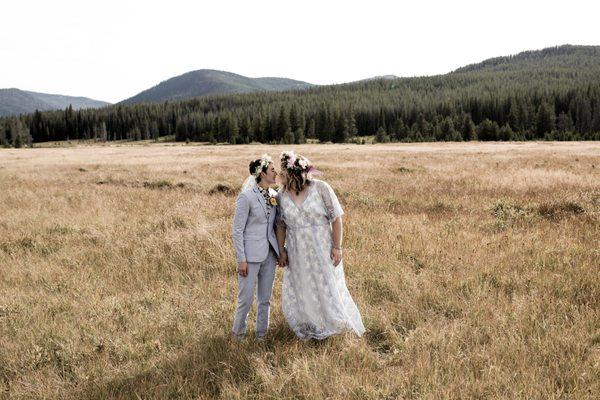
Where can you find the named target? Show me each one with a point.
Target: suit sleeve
(242, 208)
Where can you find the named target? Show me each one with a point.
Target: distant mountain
(205, 82)
(384, 77)
(551, 93)
(16, 101)
(565, 57)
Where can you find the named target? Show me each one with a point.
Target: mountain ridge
(206, 82)
(562, 56)
(15, 101)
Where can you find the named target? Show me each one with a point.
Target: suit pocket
(254, 238)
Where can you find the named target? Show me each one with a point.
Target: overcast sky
(111, 50)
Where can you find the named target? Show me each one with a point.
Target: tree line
(528, 103)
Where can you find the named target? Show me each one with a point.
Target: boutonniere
(272, 197)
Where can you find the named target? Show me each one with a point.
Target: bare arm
(337, 233)
(337, 228)
(280, 232)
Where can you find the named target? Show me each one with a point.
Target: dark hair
(252, 168)
(297, 181)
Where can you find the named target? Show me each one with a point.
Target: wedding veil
(249, 183)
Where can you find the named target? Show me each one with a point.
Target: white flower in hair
(265, 160)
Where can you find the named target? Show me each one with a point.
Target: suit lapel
(261, 200)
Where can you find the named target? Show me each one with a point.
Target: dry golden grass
(475, 267)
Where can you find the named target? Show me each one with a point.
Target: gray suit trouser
(260, 275)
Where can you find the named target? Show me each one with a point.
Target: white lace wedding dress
(315, 300)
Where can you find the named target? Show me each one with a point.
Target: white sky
(111, 50)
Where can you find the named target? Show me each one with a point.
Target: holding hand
(282, 261)
(336, 256)
(242, 268)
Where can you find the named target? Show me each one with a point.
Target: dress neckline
(310, 187)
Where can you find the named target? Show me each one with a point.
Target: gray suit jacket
(252, 232)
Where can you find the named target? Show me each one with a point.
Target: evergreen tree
(352, 130)
(488, 130)
(181, 133)
(400, 131)
(513, 115)
(283, 123)
(326, 125)
(456, 136)
(447, 128)
(423, 127)
(329, 128)
(245, 129)
(381, 136)
(321, 123)
(595, 124)
(545, 119)
(381, 120)
(583, 114)
(294, 118)
(257, 131)
(3, 139)
(69, 122)
(468, 129)
(222, 127)
(154, 131)
(233, 130)
(135, 133)
(19, 133)
(288, 137)
(268, 135)
(341, 129)
(299, 137)
(38, 133)
(310, 132)
(564, 123)
(506, 133)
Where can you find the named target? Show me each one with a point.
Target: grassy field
(475, 267)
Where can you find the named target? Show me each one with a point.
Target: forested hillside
(206, 82)
(547, 94)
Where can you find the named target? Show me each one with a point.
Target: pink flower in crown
(291, 159)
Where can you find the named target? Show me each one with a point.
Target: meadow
(476, 267)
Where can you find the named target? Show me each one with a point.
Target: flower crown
(294, 162)
(265, 160)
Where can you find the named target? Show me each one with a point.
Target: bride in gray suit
(315, 300)
(255, 246)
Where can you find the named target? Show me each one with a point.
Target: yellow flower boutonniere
(273, 201)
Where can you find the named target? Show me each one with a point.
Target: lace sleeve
(279, 222)
(332, 204)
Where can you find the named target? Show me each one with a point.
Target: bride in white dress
(315, 300)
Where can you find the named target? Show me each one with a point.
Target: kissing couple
(300, 229)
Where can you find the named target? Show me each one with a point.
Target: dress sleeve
(332, 204)
(279, 222)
